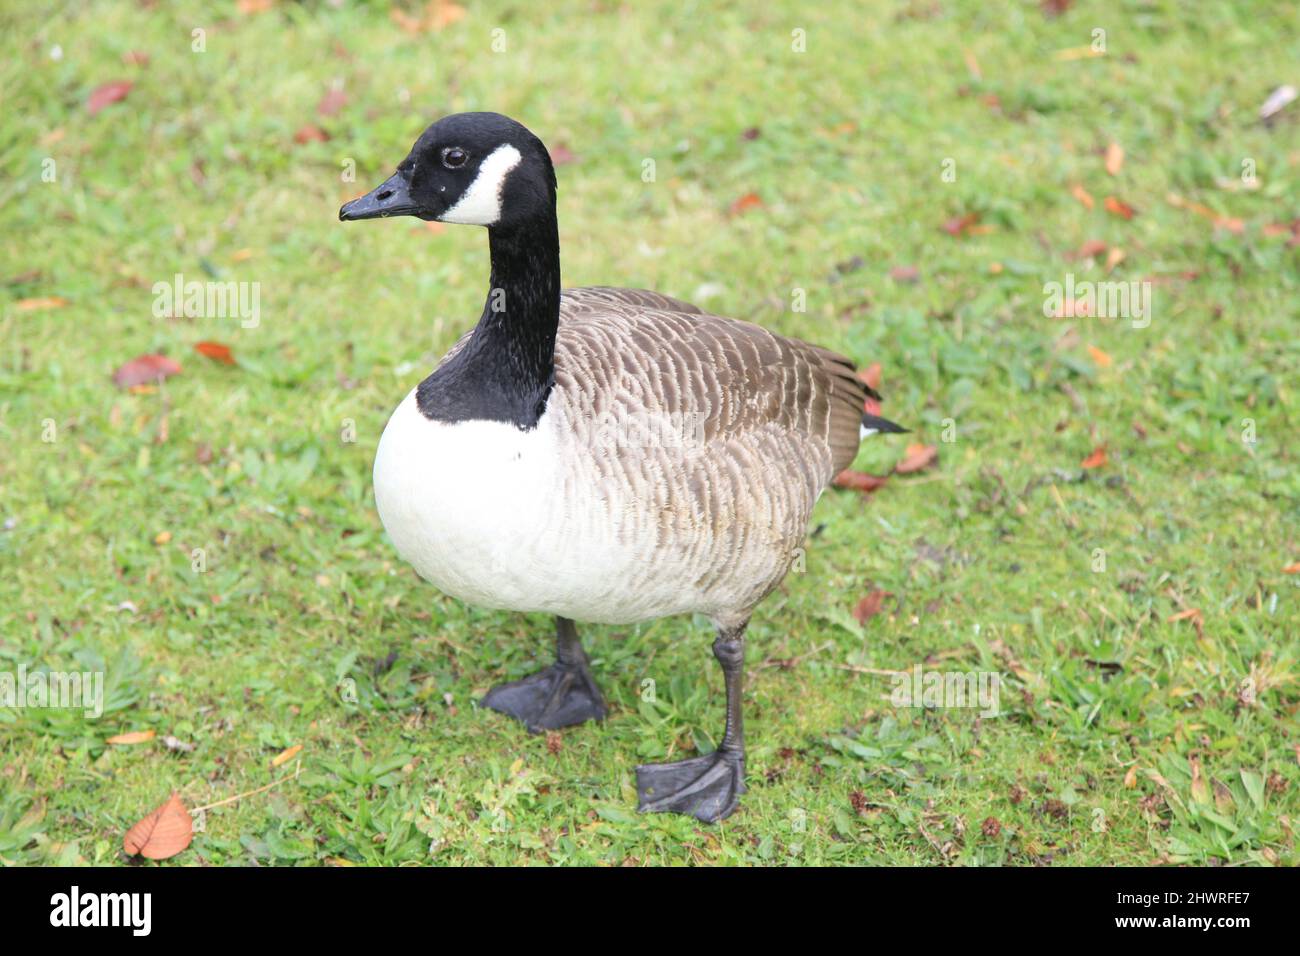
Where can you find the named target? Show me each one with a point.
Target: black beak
(392, 198)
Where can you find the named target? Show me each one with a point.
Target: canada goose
(600, 454)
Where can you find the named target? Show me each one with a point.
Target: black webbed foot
(556, 696)
(706, 787)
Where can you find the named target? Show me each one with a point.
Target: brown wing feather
(755, 376)
(765, 422)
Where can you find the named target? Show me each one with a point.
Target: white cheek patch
(481, 203)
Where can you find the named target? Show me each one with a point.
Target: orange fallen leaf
(133, 737)
(1292, 568)
(443, 13)
(1192, 614)
(38, 304)
(869, 606)
(1114, 258)
(1290, 229)
(1099, 357)
(859, 481)
(917, 458)
(745, 203)
(1096, 459)
(1114, 158)
(107, 94)
(1093, 247)
(286, 755)
(1230, 223)
(1081, 194)
(404, 20)
(333, 101)
(144, 369)
(1119, 207)
(961, 225)
(215, 351)
(905, 274)
(1078, 53)
(163, 833)
(870, 376)
(310, 134)
(561, 155)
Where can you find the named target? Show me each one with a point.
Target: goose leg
(707, 787)
(557, 696)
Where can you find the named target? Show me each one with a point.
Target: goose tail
(875, 425)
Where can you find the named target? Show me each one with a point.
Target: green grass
(990, 556)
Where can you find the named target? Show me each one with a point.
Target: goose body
(601, 454)
(673, 471)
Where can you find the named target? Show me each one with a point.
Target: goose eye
(454, 157)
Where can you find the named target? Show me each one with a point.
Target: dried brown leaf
(1114, 158)
(917, 458)
(1096, 459)
(561, 155)
(161, 834)
(859, 481)
(133, 737)
(961, 225)
(145, 369)
(333, 101)
(106, 94)
(1118, 207)
(869, 606)
(41, 303)
(284, 756)
(215, 351)
(310, 134)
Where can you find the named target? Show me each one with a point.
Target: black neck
(506, 369)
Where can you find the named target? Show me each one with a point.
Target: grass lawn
(915, 177)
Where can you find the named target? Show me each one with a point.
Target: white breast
(518, 520)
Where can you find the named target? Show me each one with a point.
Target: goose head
(480, 169)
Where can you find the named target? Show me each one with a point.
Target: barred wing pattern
(705, 440)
